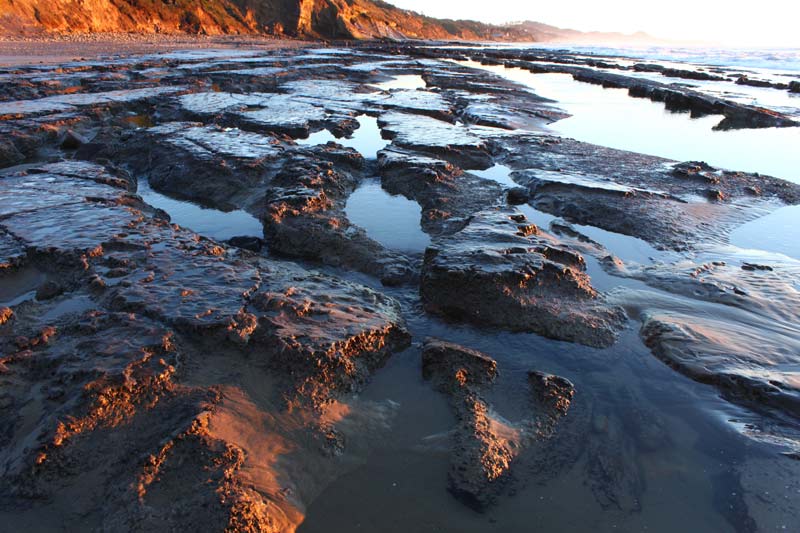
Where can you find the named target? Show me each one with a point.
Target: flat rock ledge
(501, 270)
(127, 355)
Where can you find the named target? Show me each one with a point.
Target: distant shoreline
(49, 49)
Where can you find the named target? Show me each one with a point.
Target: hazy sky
(749, 22)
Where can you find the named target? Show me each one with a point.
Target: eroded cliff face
(148, 16)
(332, 19)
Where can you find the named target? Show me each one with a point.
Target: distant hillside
(325, 19)
(547, 33)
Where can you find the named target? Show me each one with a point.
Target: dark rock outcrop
(501, 270)
(486, 446)
(138, 300)
(305, 215)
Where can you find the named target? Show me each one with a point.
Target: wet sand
(15, 52)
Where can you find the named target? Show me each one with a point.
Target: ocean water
(778, 58)
(772, 59)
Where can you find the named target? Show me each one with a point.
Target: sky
(745, 23)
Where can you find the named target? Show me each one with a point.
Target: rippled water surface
(777, 232)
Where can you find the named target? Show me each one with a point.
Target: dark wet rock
(305, 215)
(254, 244)
(25, 138)
(12, 252)
(99, 368)
(104, 386)
(48, 290)
(794, 86)
(698, 104)
(752, 267)
(450, 366)
(487, 114)
(267, 307)
(447, 195)
(201, 289)
(715, 195)
(553, 392)
(648, 67)
(69, 102)
(485, 448)
(675, 97)
(733, 184)
(270, 112)
(216, 166)
(492, 101)
(72, 140)
(738, 334)
(745, 80)
(699, 170)
(661, 202)
(502, 271)
(6, 314)
(518, 195)
(760, 293)
(691, 74)
(125, 420)
(173, 361)
(485, 445)
(91, 151)
(451, 142)
(9, 154)
(348, 331)
(428, 103)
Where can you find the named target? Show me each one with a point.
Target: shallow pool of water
(404, 81)
(205, 221)
(688, 480)
(609, 117)
(392, 220)
(73, 306)
(366, 140)
(19, 285)
(498, 173)
(625, 247)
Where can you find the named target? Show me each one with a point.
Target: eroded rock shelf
(504, 356)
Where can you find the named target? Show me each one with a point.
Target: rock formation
(315, 19)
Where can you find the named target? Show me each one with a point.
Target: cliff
(326, 19)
